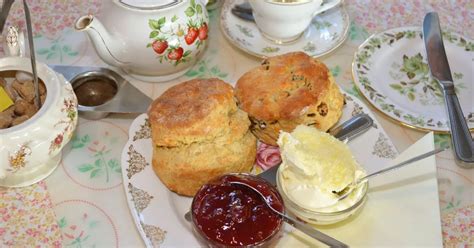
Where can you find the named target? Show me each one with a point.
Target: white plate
(327, 31)
(391, 71)
(158, 212)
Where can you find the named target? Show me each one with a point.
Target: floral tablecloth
(83, 202)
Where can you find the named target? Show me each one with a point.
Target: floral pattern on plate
(326, 32)
(391, 71)
(412, 79)
(152, 204)
(144, 132)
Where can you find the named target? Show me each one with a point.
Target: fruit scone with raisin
(199, 133)
(288, 90)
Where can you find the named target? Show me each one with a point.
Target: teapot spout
(103, 43)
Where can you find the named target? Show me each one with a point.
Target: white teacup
(283, 21)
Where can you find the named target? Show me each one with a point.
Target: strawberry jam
(233, 215)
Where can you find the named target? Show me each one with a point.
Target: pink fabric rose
(267, 156)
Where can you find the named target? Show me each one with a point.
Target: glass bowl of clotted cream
(315, 167)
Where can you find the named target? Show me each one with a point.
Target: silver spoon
(302, 226)
(243, 11)
(29, 30)
(352, 186)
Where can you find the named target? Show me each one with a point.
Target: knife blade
(463, 143)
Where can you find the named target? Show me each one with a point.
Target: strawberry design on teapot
(170, 31)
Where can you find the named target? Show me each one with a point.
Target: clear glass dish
(268, 241)
(328, 215)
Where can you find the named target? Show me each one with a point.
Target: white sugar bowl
(30, 151)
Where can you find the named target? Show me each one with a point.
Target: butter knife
(348, 130)
(461, 137)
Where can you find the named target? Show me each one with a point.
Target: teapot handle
(327, 4)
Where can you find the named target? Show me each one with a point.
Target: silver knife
(29, 30)
(439, 67)
(350, 129)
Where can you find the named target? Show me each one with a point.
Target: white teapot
(150, 40)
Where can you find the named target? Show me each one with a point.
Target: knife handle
(352, 127)
(460, 135)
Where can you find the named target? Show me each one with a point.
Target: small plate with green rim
(391, 71)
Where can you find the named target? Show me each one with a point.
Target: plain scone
(288, 90)
(199, 133)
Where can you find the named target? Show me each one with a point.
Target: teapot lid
(149, 4)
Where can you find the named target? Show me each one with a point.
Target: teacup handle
(327, 4)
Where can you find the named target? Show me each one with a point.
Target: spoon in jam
(344, 193)
(302, 226)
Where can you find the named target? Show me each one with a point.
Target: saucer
(390, 70)
(326, 32)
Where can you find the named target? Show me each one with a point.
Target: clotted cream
(314, 165)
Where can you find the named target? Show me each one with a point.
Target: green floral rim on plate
(407, 81)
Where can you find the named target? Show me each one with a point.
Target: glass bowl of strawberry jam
(230, 215)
